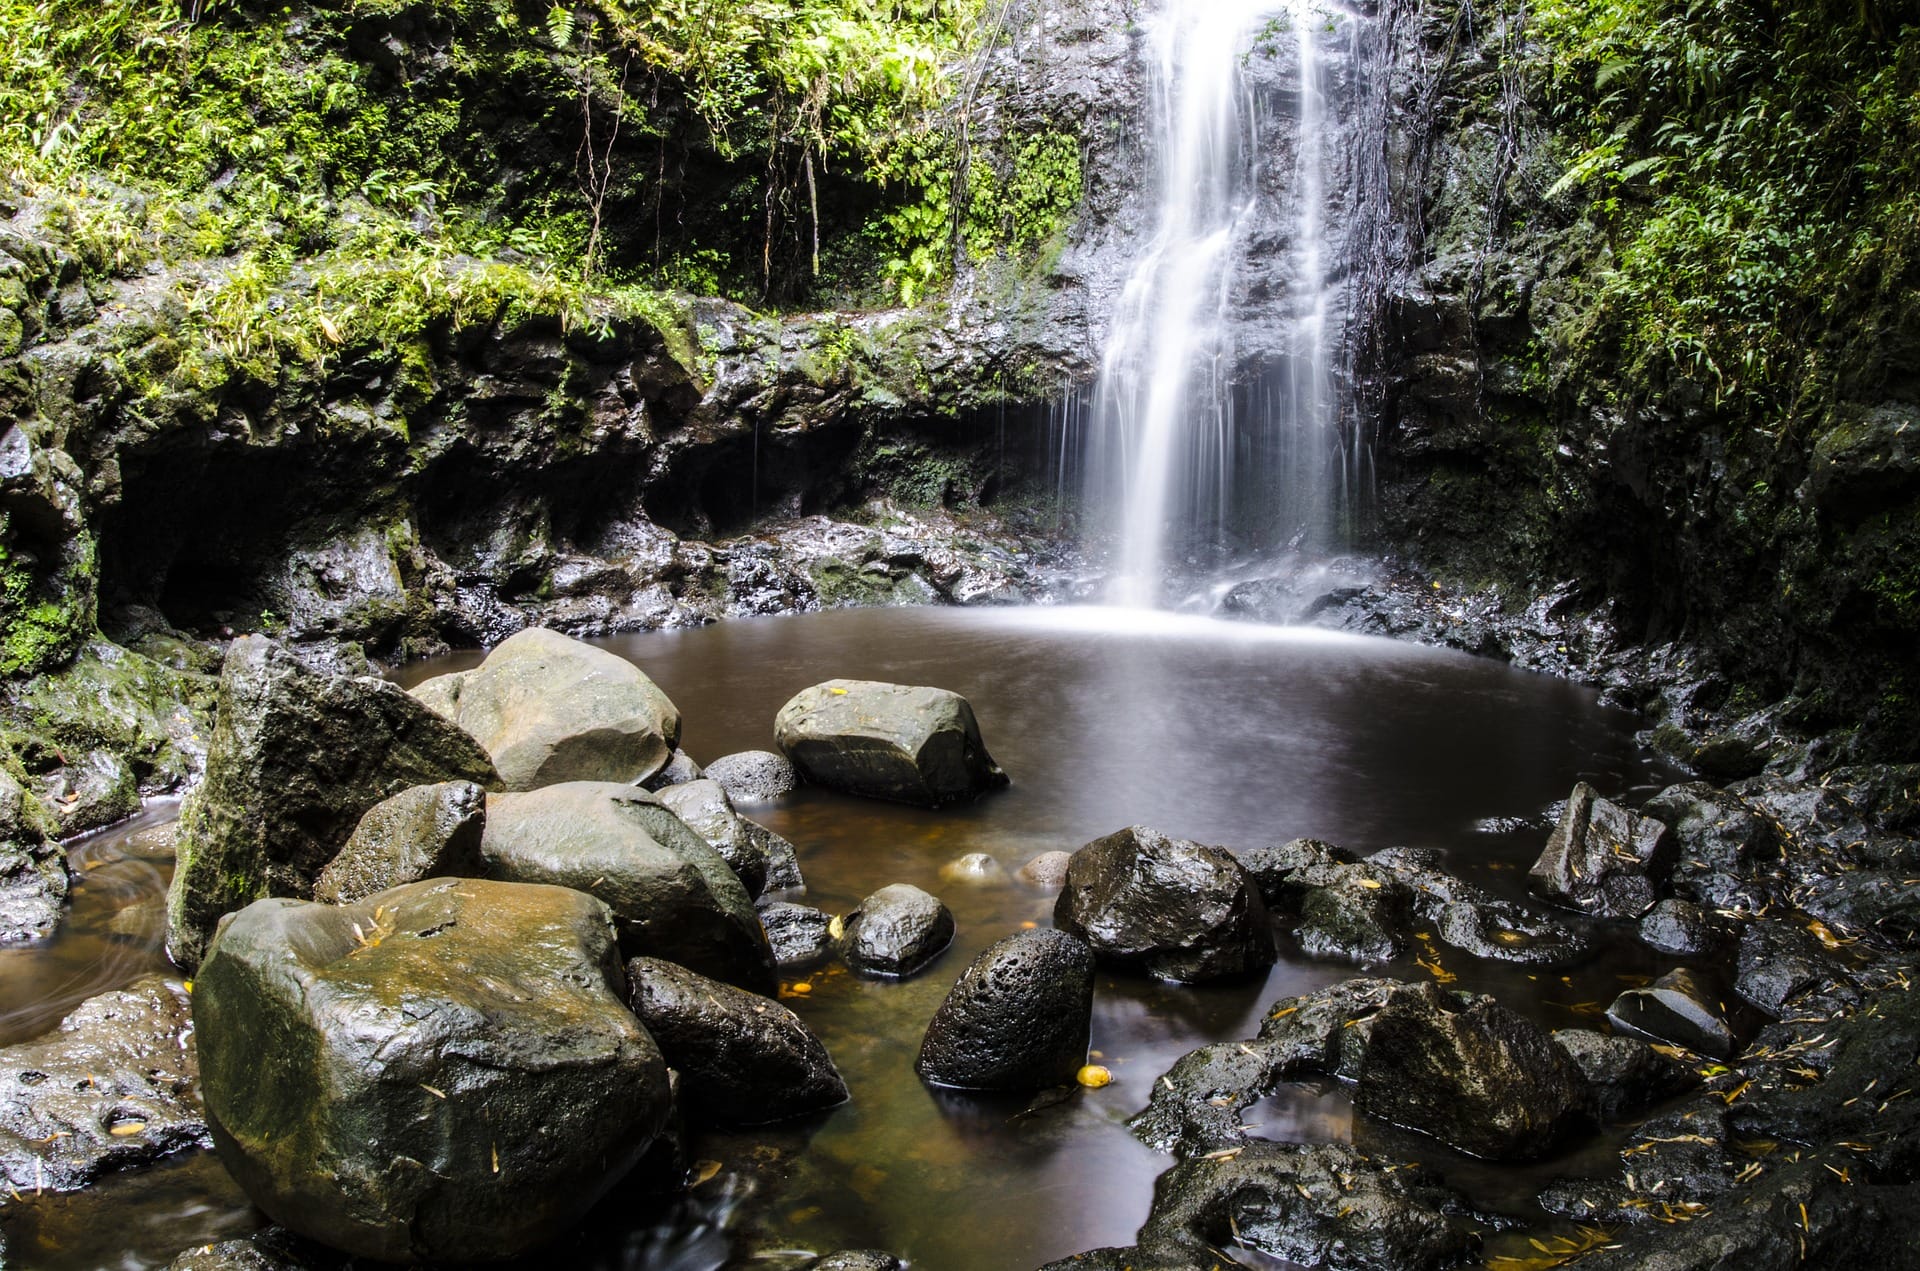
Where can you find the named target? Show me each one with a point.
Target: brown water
(1229, 734)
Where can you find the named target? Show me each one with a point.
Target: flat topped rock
(896, 742)
(549, 708)
(446, 1071)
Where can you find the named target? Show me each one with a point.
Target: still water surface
(1231, 734)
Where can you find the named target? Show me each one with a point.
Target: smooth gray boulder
(672, 895)
(742, 1059)
(1019, 1017)
(1601, 858)
(1047, 870)
(1175, 909)
(549, 708)
(888, 741)
(447, 1071)
(763, 860)
(426, 832)
(114, 1086)
(1680, 1008)
(755, 776)
(33, 865)
(297, 758)
(896, 931)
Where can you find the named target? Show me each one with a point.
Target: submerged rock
(1175, 909)
(888, 741)
(1019, 1018)
(743, 1059)
(33, 866)
(444, 1072)
(672, 895)
(297, 759)
(1047, 870)
(1474, 920)
(113, 1087)
(801, 936)
(549, 708)
(896, 931)
(1601, 857)
(974, 869)
(1680, 1008)
(755, 776)
(426, 832)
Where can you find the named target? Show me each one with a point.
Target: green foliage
(1755, 165)
(1025, 201)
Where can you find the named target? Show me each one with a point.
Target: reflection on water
(1230, 734)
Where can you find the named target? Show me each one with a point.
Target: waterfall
(1202, 426)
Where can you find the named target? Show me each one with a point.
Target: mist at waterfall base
(1234, 734)
(1222, 430)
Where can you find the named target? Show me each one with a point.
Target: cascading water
(1202, 431)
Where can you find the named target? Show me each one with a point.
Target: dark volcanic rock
(858, 1260)
(1468, 1071)
(896, 931)
(296, 760)
(446, 1071)
(1680, 926)
(1019, 1017)
(672, 895)
(754, 776)
(1879, 905)
(1355, 913)
(888, 741)
(743, 1059)
(1274, 865)
(549, 708)
(1473, 920)
(33, 866)
(801, 936)
(1780, 960)
(275, 1249)
(1175, 909)
(1625, 1076)
(1721, 843)
(426, 832)
(1601, 858)
(114, 1086)
(1680, 1008)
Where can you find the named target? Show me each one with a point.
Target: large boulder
(426, 832)
(297, 759)
(896, 931)
(1624, 1075)
(112, 1087)
(742, 1059)
(671, 894)
(33, 865)
(1178, 910)
(888, 741)
(549, 708)
(1469, 1072)
(1019, 1018)
(1601, 858)
(447, 1071)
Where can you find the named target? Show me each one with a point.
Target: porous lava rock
(755, 776)
(743, 1059)
(1175, 909)
(1019, 1017)
(549, 708)
(898, 742)
(447, 1071)
(426, 832)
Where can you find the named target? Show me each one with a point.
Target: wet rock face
(1678, 1007)
(1600, 857)
(755, 776)
(1779, 961)
(1624, 1075)
(114, 1086)
(1680, 926)
(671, 894)
(458, 1078)
(743, 1059)
(679, 768)
(1352, 913)
(33, 866)
(1175, 909)
(1471, 1073)
(297, 759)
(1019, 1018)
(888, 741)
(896, 931)
(549, 708)
(801, 935)
(426, 832)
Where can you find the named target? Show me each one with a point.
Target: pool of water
(1226, 733)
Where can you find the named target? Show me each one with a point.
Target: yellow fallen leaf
(124, 1128)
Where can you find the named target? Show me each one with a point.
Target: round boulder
(1178, 910)
(896, 931)
(888, 741)
(742, 1059)
(671, 894)
(447, 1071)
(1048, 870)
(1018, 1019)
(549, 708)
(755, 776)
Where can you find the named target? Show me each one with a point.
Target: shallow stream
(1230, 734)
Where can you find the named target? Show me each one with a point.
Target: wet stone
(1019, 1018)
(896, 931)
(755, 776)
(430, 831)
(974, 869)
(801, 935)
(680, 769)
(1779, 961)
(1353, 913)
(1679, 1008)
(1047, 870)
(1682, 927)
(33, 866)
(705, 808)
(1624, 1075)
(859, 1260)
(888, 741)
(1274, 865)
(1601, 857)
